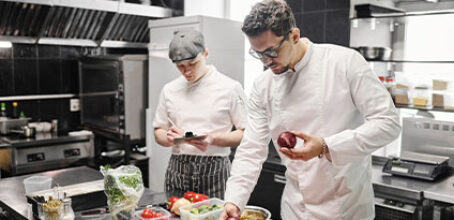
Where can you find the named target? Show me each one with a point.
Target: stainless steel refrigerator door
(159, 156)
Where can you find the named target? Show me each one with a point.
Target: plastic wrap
(123, 187)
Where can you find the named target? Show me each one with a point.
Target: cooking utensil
(375, 53)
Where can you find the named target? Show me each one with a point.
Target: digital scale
(417, 165)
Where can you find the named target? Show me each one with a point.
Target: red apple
(286, 139)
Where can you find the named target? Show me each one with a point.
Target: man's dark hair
(274, 15)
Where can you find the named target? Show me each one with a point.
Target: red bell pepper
(199, 197)
(188, 195)
(172, 201)
(195, 197)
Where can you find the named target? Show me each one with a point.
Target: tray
(84, 196)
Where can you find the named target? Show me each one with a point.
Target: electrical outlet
(74, 105)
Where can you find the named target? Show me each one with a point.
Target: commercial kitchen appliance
(113, 95)
(7, 125)
(427, 149)
(398, 198)
(45, 151)
(424, 135)
(225, 43)
(417, 165)
(427, 152)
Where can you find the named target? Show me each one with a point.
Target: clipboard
(182, 139)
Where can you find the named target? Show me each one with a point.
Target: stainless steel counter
(3, 144)
(12, 190)
(441, 189)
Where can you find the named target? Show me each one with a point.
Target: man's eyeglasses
(271, 52)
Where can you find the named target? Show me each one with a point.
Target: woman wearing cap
(202, 101)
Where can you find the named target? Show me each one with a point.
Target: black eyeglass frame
(271, 52)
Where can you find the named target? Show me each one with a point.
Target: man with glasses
(331, 100)
(205, 102)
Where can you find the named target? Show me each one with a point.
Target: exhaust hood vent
(84, 22)
(22, 19)
(128, 28)
(76, 23)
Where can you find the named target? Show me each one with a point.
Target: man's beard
(283, 70)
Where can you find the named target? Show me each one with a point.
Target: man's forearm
(160, 135)
(231, 139)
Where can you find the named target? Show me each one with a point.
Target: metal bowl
(375, 53)
(259, 209)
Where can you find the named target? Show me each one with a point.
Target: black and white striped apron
(201, 174)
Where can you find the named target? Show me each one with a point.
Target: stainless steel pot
(264, 211)
(25, 131)
(375, 53)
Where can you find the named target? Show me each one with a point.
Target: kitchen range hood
(81, 23)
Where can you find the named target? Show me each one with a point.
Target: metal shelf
(406, 14)
(37, 97)
(411, 61)
(425, 109)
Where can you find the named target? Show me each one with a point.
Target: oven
(45, 152)
(113, 95)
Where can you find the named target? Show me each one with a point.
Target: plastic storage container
(154, 209)
(37, 183)
(422, 96)
(211, 215)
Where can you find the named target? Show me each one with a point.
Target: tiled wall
(176, 5)
(28, 69)
(323, 21)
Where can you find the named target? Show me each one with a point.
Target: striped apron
(201, 174)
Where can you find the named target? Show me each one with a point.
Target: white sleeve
(250, 155)
(238, 113)
(381, 120)
(160, 116)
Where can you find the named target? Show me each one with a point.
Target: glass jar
(390, 85)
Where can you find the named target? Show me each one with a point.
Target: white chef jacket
(212, 104)
(334, 94)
